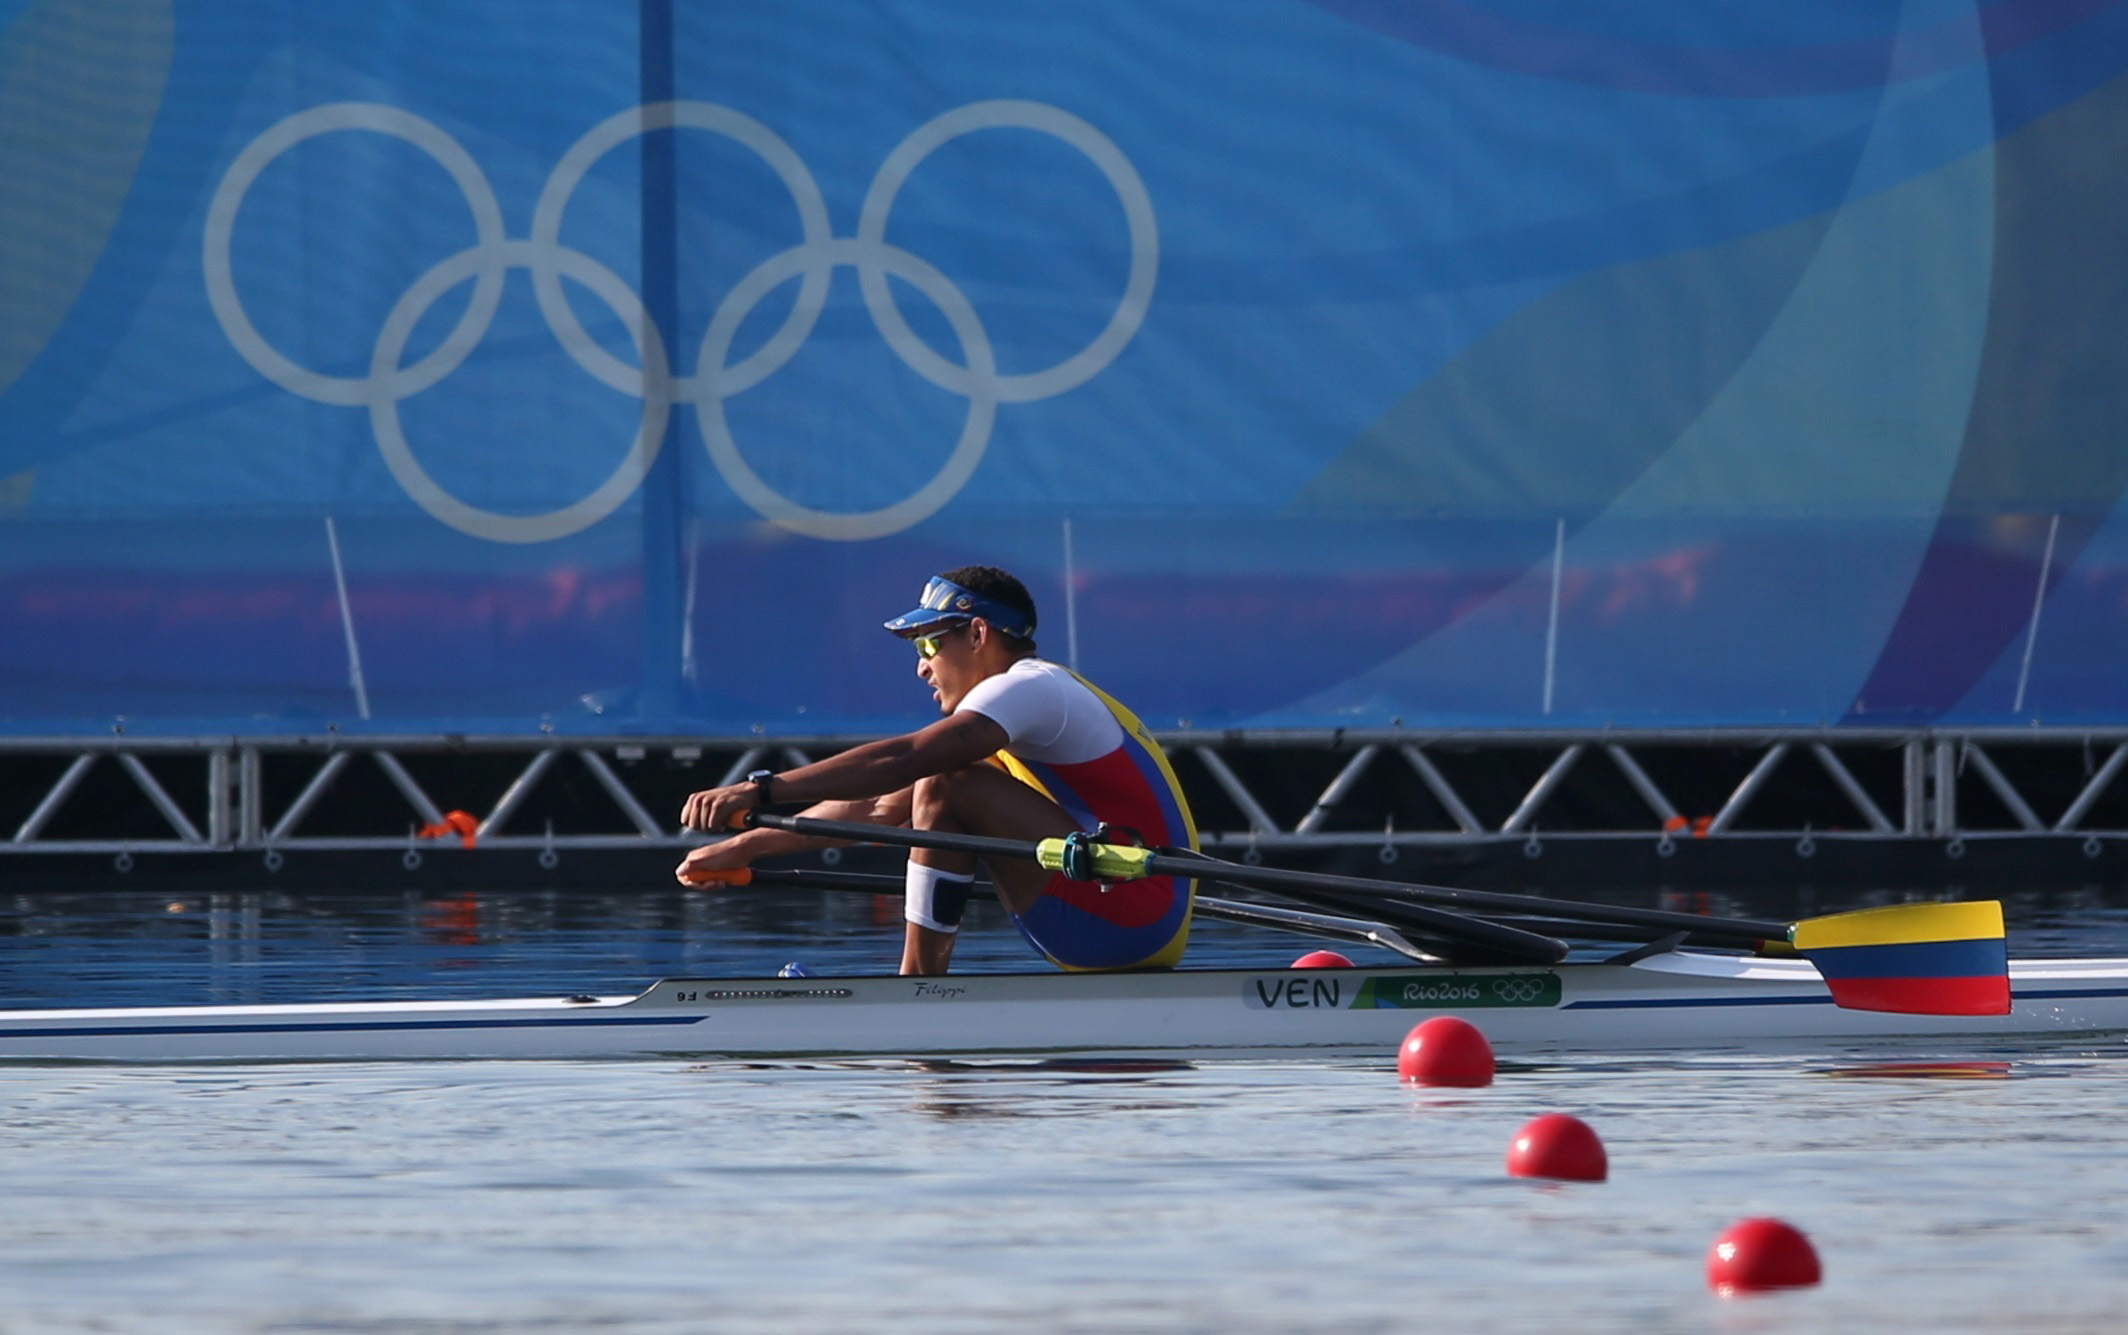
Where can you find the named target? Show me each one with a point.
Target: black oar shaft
(1491, 900)
(1486, 900)
(871, 883)
(1517, 940)
(1512, 941)
(981, 846)
(1276, 878)
(1609, 931)
(1254, 915)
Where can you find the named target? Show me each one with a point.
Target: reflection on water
(141, 947)
(1921, 1071)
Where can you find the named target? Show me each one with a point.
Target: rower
(1027, 749)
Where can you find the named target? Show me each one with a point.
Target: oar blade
(1914, 959)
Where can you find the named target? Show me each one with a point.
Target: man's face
(946, 661)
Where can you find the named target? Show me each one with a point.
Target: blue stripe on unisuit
(1178, 829)
(1077, 939)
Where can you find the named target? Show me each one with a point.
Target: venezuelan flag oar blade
(1916, 959)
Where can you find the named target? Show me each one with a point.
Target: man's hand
(698, 867)
(715, 809)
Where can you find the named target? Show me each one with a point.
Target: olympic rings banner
(534, 365)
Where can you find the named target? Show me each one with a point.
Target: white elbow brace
(934, 898)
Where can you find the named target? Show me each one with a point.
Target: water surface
(653, 1196)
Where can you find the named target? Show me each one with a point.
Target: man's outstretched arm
(745, 849)
(875, 769)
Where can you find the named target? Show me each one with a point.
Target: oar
(1226, 910)
(1378, 919)
(1388, 906)
(1453, 944)
(1929, 959)
(1378, 924)
(1918, 959)
(1747, 930)
(1480, 941)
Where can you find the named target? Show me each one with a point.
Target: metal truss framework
(1256, 793)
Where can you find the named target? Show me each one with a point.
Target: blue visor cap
(944, 600)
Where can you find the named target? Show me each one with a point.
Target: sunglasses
(927, 646)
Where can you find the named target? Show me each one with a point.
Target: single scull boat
(1928, 972)
(1679, 999)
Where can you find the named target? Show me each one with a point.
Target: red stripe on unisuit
(1111, 788)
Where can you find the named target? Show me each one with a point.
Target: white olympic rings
(812, 261)
(1518, 989)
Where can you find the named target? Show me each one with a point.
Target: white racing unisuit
(1678, 1000)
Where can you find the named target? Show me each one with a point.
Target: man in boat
(1027, 750)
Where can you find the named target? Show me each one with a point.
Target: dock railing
(1256, 794)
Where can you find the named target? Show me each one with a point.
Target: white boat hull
(1681, 1000)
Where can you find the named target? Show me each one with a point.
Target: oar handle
(723, 876)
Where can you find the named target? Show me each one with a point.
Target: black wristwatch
(763, 781)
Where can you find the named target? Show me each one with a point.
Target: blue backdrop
(619, 367)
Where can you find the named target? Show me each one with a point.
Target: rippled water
(158, 948)
(670, 1196)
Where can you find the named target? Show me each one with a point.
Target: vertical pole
(691, 575)
(347, 622)
(1914, 820)
(664, 488)
(251, 815)
(2039, 600)
(1944, 822)
(218, 805)
(1551, 630)
(1071, 602)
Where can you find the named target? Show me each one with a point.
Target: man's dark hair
(1003, 587)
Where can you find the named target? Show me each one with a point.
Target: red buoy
(1446, 1051)
(1322, 959)
(1754, 1255)
(1556, 1145)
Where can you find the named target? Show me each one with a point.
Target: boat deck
(1682, 999)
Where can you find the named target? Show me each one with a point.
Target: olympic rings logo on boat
(1518, 989)
(712, 380)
